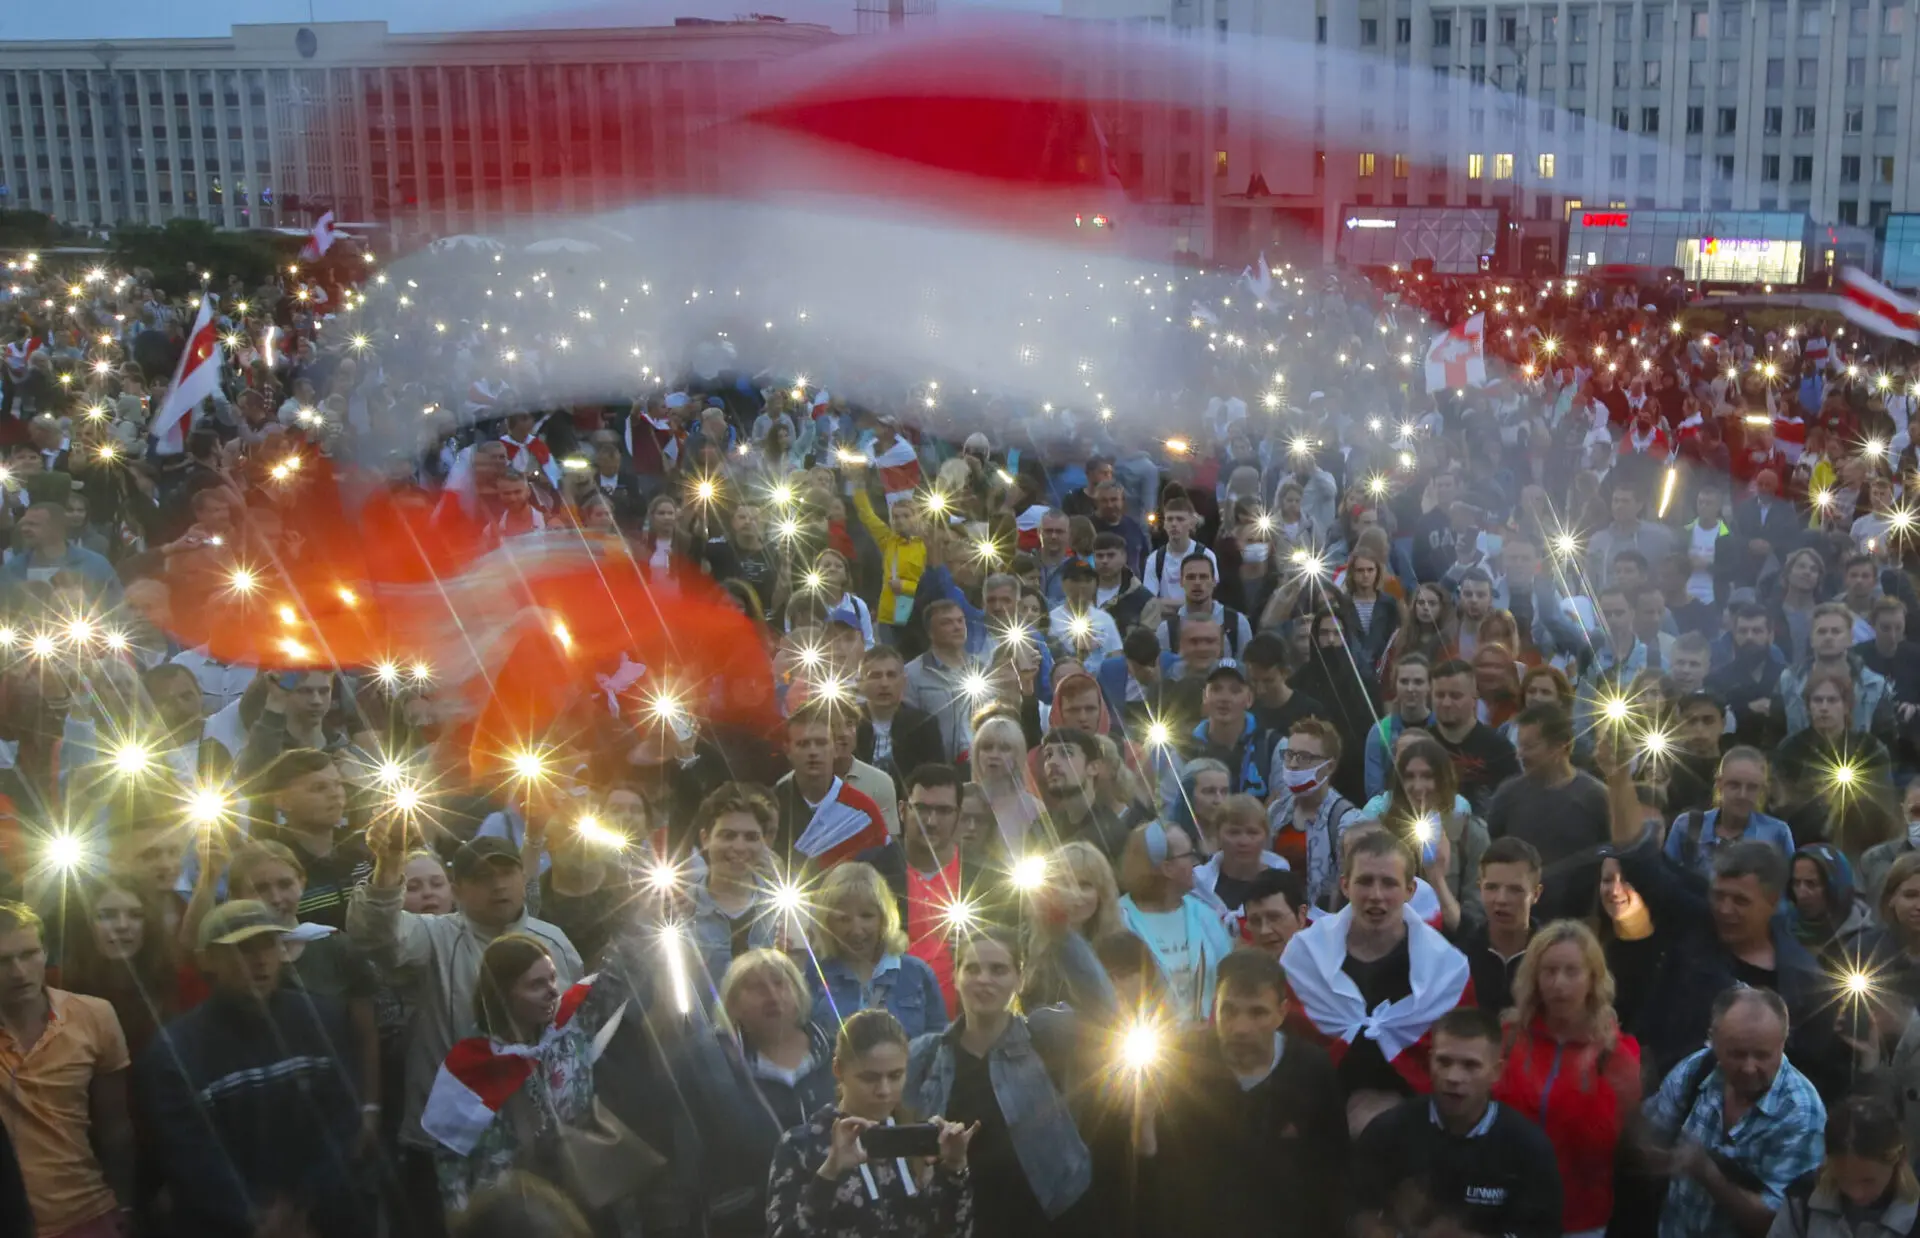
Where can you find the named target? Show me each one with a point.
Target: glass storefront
(1900, 253)
(1733, 247)
(1459, 240)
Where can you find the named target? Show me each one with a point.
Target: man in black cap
(443, 954)
(1228, 733)
(249, 1098)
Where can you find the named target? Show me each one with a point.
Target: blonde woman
(999, 769)
(860, 959)
(1570, 1068)
(1080, 897)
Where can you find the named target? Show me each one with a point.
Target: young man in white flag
(321, 240)
(1369, 982)
(194, 379)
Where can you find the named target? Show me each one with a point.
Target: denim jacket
(712, 932)
(902, 985)
(1034, 1067)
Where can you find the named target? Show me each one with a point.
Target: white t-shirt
(1701, 541)
(1168, 934)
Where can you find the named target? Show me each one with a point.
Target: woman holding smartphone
(852, 1172)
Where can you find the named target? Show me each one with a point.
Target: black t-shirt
(1003, 1198)
(1756, 977)
(1482, 760)
(1386, 979)
(1232, 891)
(1279, 719)
(1635, 966)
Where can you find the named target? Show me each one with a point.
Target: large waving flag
(196, 378)
(1458, 356)
(1878, 308)
(322, 239)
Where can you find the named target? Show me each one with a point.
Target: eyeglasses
(1173, 856)
(1296, 759)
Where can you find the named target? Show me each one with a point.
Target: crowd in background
(1288, 802)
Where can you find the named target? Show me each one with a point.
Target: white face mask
(1913, 833)
(1306, 781)
(1255, 552)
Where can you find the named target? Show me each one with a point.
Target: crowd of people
(1304, 804)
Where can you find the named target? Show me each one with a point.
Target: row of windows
(1699, 24)
(1693, 166)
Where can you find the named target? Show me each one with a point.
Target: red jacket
(1573, 1092)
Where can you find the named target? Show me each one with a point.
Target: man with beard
(1070, 768)
(1748, 680)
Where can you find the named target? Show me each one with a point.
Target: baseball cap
(1227, 670)
(475, 857)
(229, 924)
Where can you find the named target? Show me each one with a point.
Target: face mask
(1255, 552)
(1913, 833)
(1305, 781)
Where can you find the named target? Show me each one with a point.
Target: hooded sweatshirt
(1847, 930)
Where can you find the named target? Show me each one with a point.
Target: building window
(1545, 165)
(1690, 170)
(1883, 169)
(1576, 27)
(1369, 31)
(1509, 29)
(1856, 71)
(1546, 120)
(1577, 119)
(1877, 213)
(1884, 119)
(1617, 167)
(1770, 167)
(1402, 165)
(1810, 15)
(1806, 72)
(1853, 120)
(1503, 167)
(1622, 120)
(1649, 120)
(1889, 70)
(1702, 23)
(1770, 120)
(1623, 23)
(1729, 119)
(1696, 73)
(1849, 211)
(1219, 163)
(1893, 17)
(1849, 169)
(1802, 168)
(1443, 32)
(1549, 27)
(1576, 77)
(1477, 74)
(1320, 29)
(1803, 120)
(1477, 31)
(1476, 120)
(1729, 73)
(1366, 163)
(1403, 30)
(1576, 166)
(1650, 73)
(1622, 75)
(1649, 167)
(1476, 167)
(1776, 73)
(1696, 118)
(1723, 167)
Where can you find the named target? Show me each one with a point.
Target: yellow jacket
(902, 560)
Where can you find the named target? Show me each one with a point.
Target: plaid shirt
(1780, 1139)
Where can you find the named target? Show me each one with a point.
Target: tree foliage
(181, 250)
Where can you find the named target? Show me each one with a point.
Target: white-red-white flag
(196, 378)
(1458, 356)
(1877, 307)
(322, 238)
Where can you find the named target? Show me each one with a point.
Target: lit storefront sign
(1605, 219)
(1354, 221)
(1739, 259)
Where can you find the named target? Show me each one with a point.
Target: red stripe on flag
(1879, 305)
